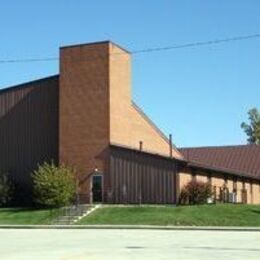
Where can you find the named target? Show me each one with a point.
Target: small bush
(53, 186)
(195, 192)
(6, 189)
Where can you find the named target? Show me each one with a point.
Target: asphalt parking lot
(127, 244)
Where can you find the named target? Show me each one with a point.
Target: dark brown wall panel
(137, 177)
(28, 130)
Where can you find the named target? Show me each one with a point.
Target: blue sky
(200, 94)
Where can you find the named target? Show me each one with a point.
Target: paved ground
(127, 244)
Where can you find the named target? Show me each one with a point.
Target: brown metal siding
(137, 177)
(28, 130)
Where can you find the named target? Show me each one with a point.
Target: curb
(133, 227)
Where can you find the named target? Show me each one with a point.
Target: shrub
(195, 192)
(53, 186)
(6, 189)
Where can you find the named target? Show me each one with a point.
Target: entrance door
(97, 185)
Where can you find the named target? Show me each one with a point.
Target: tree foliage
(195, 192)
(6, 189)
(253, 128)
(54, 186)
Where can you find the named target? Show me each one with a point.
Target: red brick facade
(95, 110)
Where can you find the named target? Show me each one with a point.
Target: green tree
(253, 128)
(54, 186)
(6, 189)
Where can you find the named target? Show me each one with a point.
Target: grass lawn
(202, 215)
(23, 216)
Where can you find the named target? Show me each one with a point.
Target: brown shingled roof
(243, 159)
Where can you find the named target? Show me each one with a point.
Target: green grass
(26, 216)
(202, 215)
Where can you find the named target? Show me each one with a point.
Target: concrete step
(72, 214)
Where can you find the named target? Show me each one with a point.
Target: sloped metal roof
(244, 159)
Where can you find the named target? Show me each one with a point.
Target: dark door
(97, 188)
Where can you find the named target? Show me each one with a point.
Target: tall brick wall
(84, 109)
(120, 95)
(128, 125)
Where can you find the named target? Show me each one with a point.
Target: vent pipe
(170, 144)
(141, 145)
